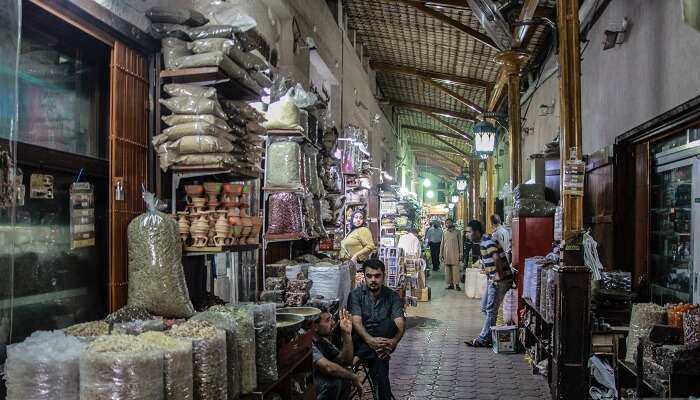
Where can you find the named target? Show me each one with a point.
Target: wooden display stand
(532, 236)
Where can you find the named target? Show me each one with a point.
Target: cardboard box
(423, 294)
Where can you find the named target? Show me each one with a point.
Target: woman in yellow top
(359, 243)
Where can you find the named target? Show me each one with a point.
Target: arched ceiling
(435, 65)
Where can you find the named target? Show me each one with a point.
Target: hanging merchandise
(10, 184)
(574, 175)
(590, 254)
(644, 317)
(82, 215)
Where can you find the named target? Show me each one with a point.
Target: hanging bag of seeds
(43, 367)
(227, 323)
(245, 336)
(177, 364)
(265, 317)
(121, 367)
(644, 316)
(156, 277)
(209, 356)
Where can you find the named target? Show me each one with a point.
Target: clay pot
(199, 229)
(212, 188)
(236, 189)
(198, 204)
(194, 190)
(183, 225)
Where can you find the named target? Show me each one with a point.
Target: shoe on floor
(458, 288)
(449, 287)
(476, 343)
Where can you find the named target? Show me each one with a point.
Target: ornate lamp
(484, 139)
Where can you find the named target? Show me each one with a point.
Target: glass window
(63, 84)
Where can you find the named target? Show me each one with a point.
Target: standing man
(331, 373)
(434, 238)
(500, 278)
(501, 235)
(378, 322)
(451, 255)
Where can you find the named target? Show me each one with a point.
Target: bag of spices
(265, 318)
(644, 317)
(156, 276)
(209, 357)
(183, 16)
(121, 367)
(173, 49)
(192, 129)
(193, 105)
(177, 89)
(691, 326)
(45, 366)
(285, 214)
(179, 119)
(177, 364)
(199, 144)
(245, 338)
(285, 164)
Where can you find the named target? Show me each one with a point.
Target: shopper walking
(434, 238)
(500, 279)
(451, 254)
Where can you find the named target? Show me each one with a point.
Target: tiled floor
(432, 361)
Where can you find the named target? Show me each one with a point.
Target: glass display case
(671, 218)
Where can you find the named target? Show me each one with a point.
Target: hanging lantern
(454, 199)
(462, 182)
(484, 139)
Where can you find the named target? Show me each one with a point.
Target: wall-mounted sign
(82, 215)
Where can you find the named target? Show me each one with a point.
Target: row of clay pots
(214, 228)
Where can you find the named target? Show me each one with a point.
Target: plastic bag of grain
(210, 31)
(227, 323)
(199, 144)
(198, 128)
(156, 277)
(205, 160)
(285, 214)
(164, 31)
(644, 316)
(178, 89)
(173, 49)
(214, 58)
(265, 317)
(282, 114)
(193, 105)
(173, 15)
(44, 367)
(179, 119)
(209, 373)
(245, 336)
(121, 367)
(177, 364)
(285, 164)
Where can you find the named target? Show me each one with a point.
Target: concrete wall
(654, 70)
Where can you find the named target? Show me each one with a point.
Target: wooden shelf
(283, 189)
(195, 171)
(529, 303)
(273, 238)
(293, 133)
(210, 76)
(200, 251)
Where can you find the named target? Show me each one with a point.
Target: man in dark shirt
(378, 321)
(331, 373)
(500, 279)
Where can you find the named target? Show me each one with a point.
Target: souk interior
(190, 188)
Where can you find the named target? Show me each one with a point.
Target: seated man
(331, 375)
(379, 323)
(500, 279)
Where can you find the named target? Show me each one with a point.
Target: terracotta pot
(236, 189)
(183, 225)
(194, 190)
(199, 229)
(221, 227)
(212, 188)
(234, 220)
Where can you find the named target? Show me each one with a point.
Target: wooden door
(128, 146)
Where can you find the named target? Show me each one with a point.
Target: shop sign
(574, 175)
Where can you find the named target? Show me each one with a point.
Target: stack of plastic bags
(245, 122)
(224, 40)
(44, 367)
(198, 133)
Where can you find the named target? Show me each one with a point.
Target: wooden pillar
(489, 194)
(570, 101)
(512, 62)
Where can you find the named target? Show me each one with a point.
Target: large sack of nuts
(156, 277)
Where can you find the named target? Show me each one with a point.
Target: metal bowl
(308, 313)
(288, 323)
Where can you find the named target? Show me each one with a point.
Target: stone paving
(432, 361)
